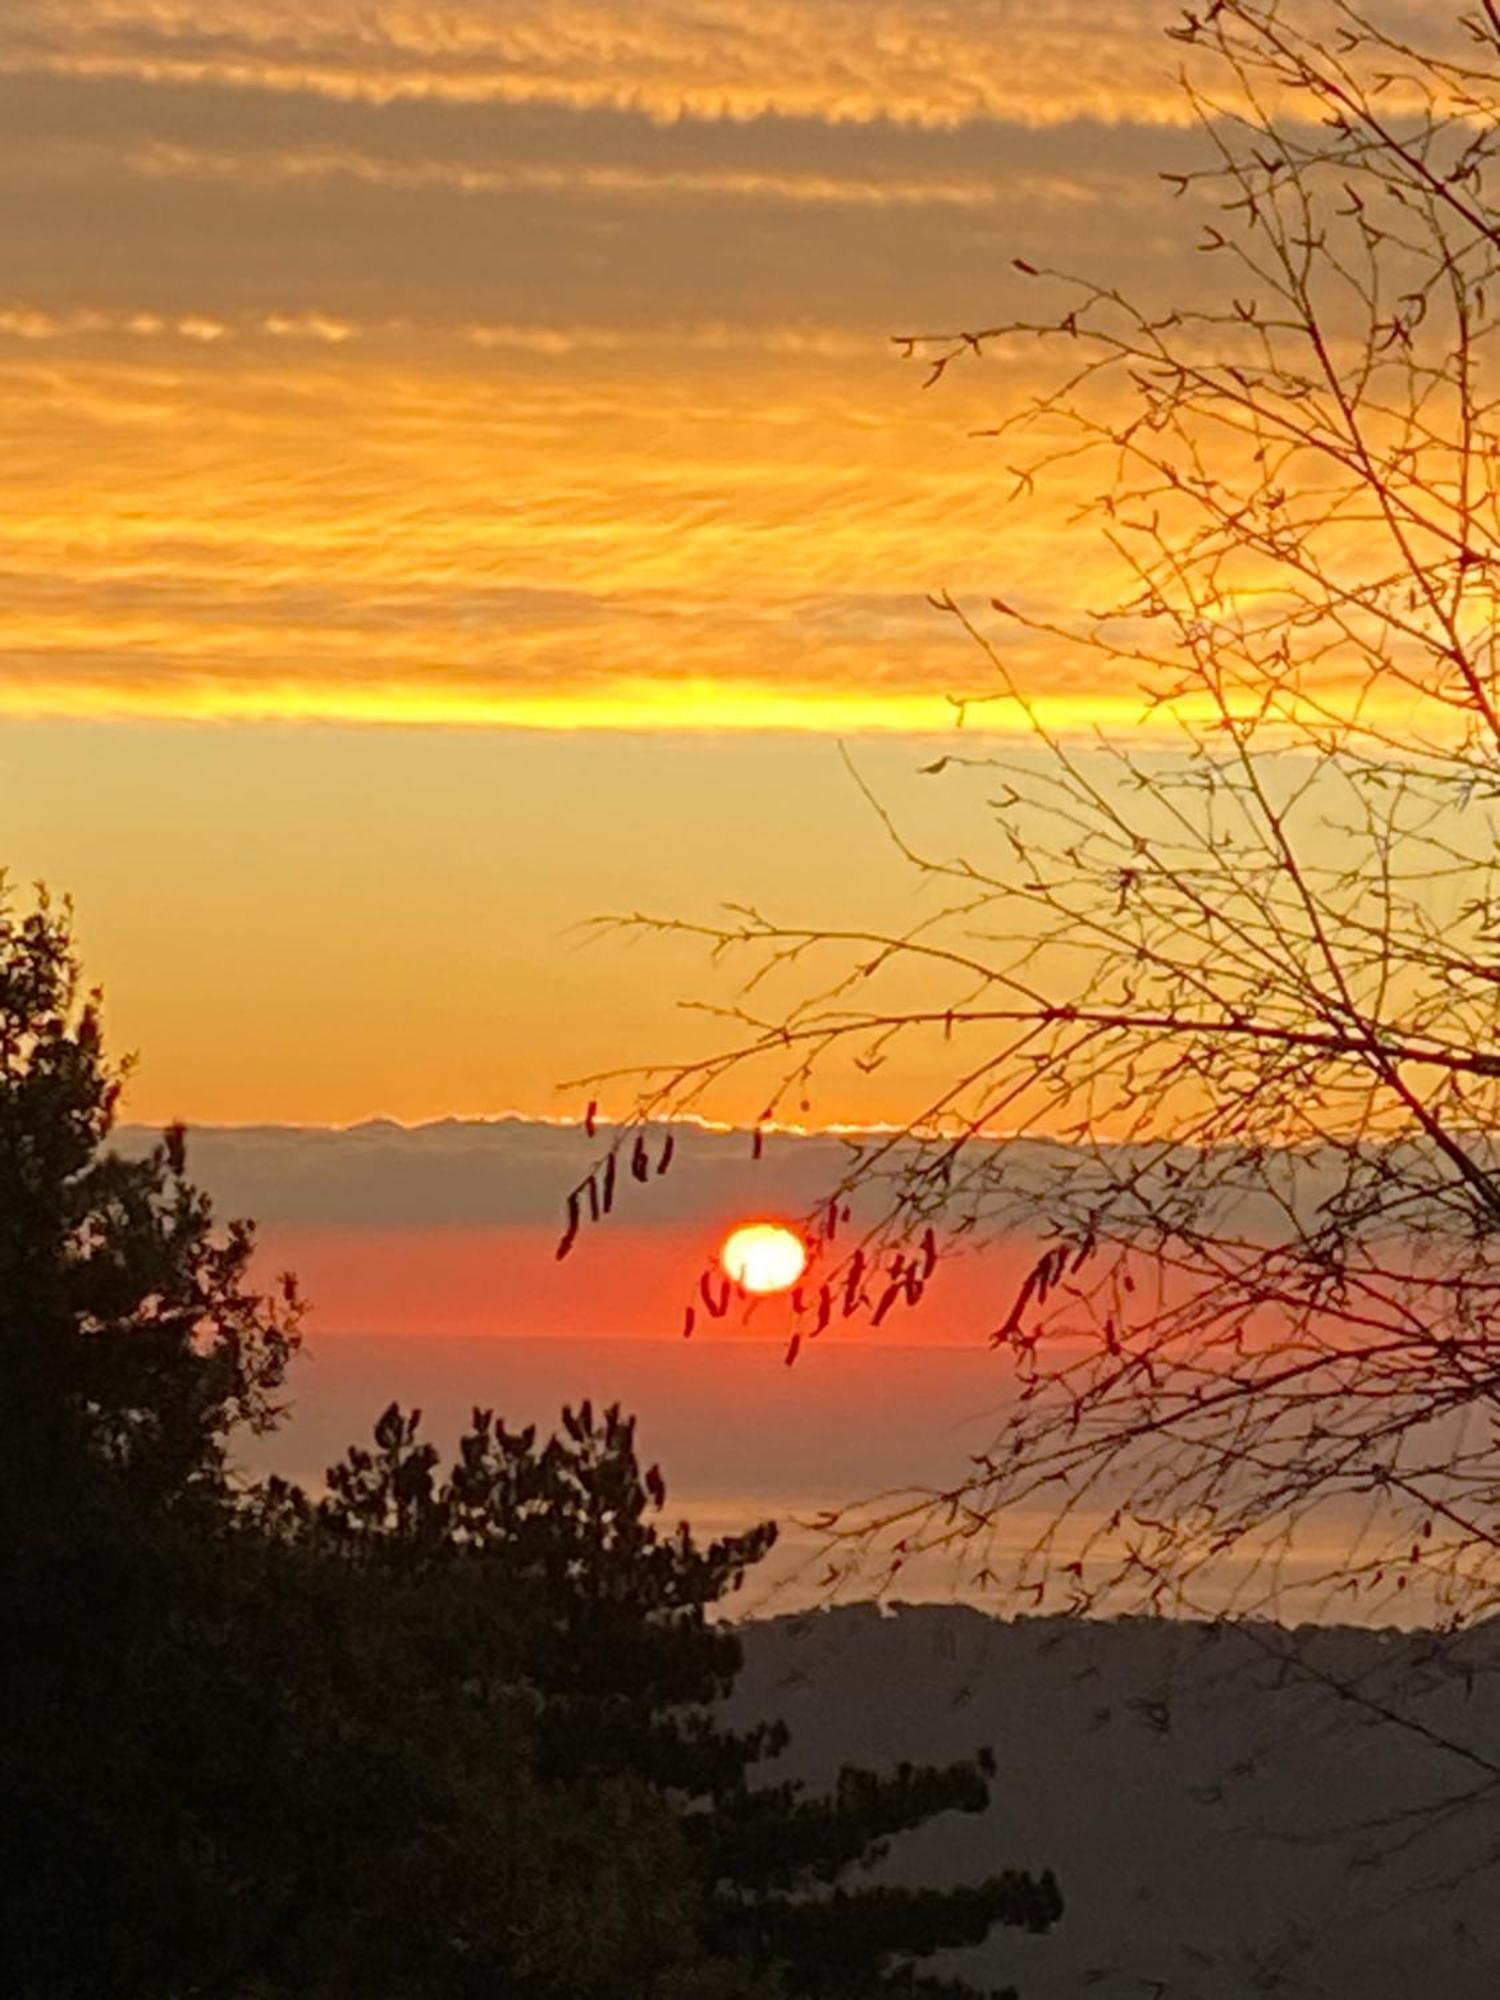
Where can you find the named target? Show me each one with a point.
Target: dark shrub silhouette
(422, 1735)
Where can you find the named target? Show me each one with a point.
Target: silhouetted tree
(422, 1738)
(132, 1339)
(132, 1343)
(1241, 958)
(548, 1559)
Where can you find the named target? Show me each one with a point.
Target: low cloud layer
(501, 1173)
(516, 1173)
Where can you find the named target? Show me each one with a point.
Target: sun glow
(764, 1257)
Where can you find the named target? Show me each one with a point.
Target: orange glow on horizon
(690, 706)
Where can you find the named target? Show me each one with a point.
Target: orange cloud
(372, 364)
(917, 61)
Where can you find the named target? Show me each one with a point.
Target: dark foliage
(131, 1340)
(434, 1734)
(551, 1565)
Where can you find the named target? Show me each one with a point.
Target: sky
(428, 1257)
(460, 481)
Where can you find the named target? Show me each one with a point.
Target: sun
(764, 1257)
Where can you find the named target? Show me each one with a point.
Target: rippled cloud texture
(528, 361)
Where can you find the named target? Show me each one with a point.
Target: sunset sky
(459, 480)
(749, 881)
(462, 481)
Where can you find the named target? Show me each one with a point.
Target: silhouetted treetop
(133, 1338)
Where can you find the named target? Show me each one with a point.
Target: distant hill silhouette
(1220, 1826)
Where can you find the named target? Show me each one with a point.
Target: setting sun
(764, 1257)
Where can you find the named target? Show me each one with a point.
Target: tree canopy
(132, 1338)
(1231, 970)
(431, 1732)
